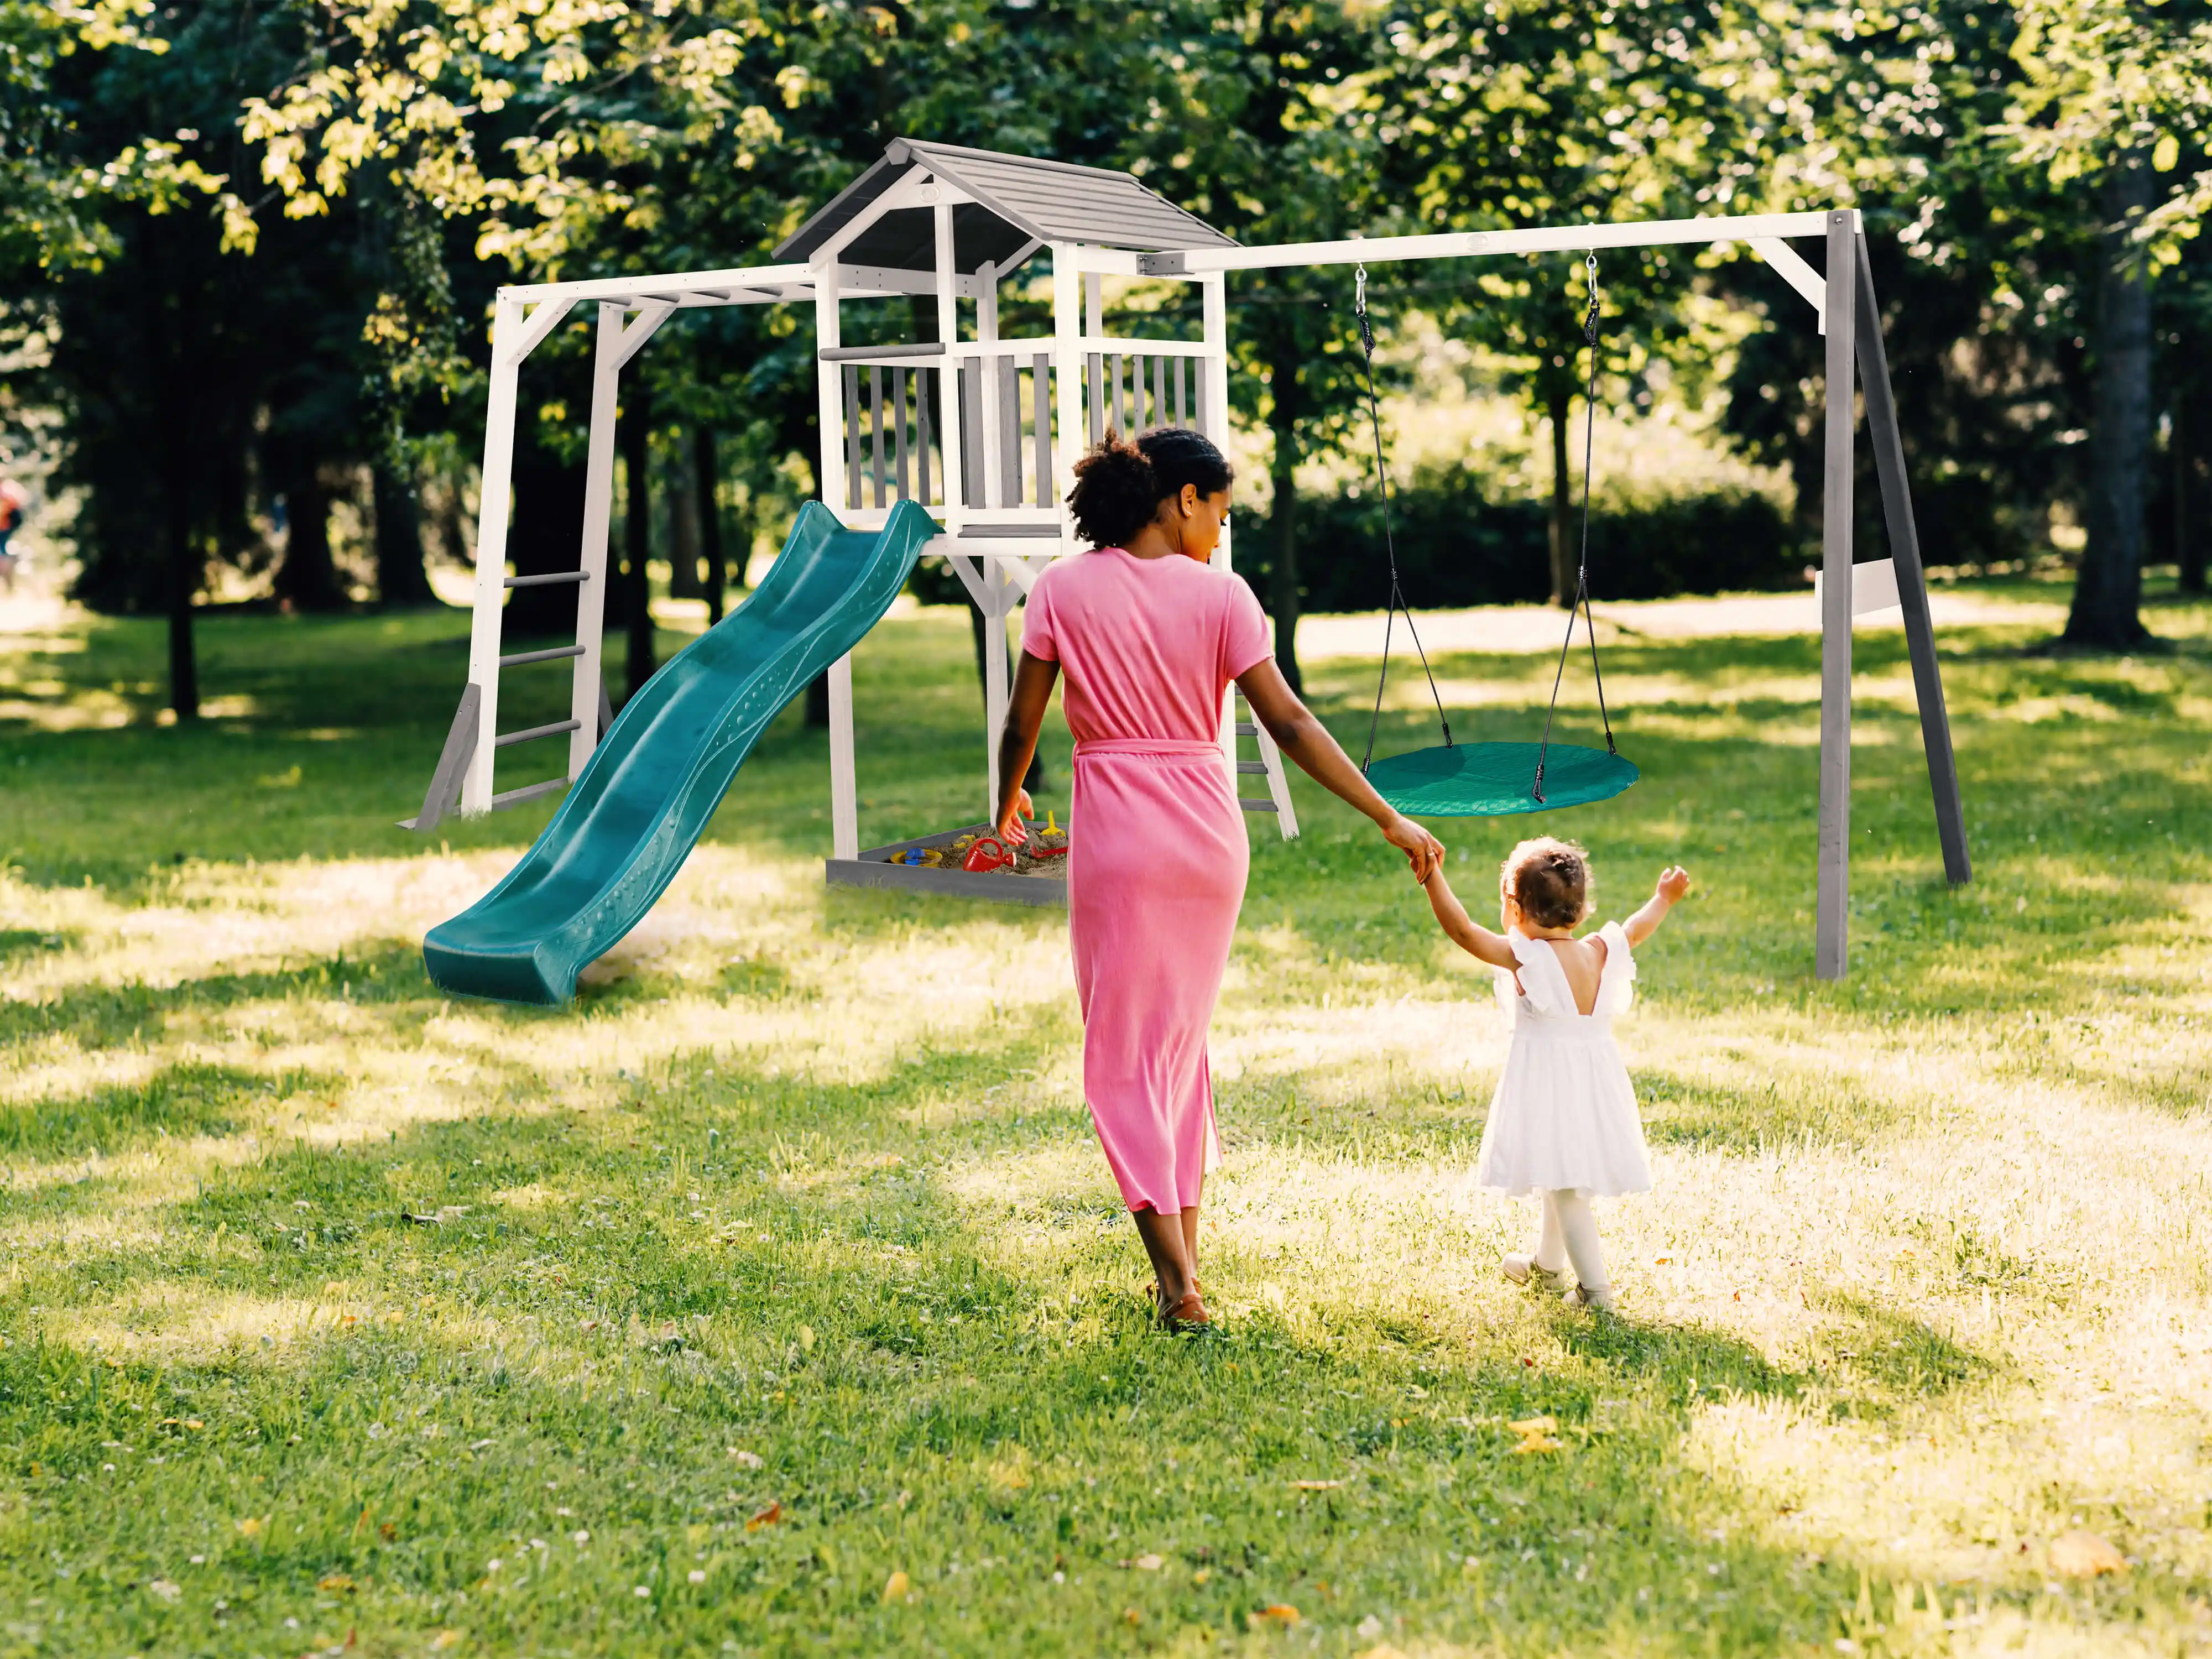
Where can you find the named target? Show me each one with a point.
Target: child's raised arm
(1673, 882)
(1468, 935)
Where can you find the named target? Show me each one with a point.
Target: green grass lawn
(775, 1298)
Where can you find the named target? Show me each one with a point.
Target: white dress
(1565, 1115)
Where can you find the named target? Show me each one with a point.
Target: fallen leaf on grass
(1281, 1613)
(1315, 1486)
(1536, 1442)
(749, 1460)
(445, 1639)
(251, 1526)
(1535, 1426)
(767, 1518)
(167, 1589)
(896, 1588)
(336, 1581)
(1145, 1563)
(2085, 1555)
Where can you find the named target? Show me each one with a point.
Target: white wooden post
(494, 507)
(830, 393)
(829, 388)
(948, 378)
(598, 508)
(1067, 380)
(1094, 304)
(1214, 303)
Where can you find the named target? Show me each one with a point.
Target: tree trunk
(185, 572)
(1283, 514)
(400, 577)
(2188, 535)
(2109, 590)
(308, 579)
(679, 491)
(637, 534)
(1557, 408)
(707, 474)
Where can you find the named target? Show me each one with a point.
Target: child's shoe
(1583, 1297)
(1521, 1269)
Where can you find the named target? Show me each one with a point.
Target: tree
(1520, 114)
(2110, 95)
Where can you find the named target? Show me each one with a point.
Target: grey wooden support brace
(1911, 579)
(443, 797)
(1832, 915)
(606, 715)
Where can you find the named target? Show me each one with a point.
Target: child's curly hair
(1549, 879)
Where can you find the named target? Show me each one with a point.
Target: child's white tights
(1569, 1234)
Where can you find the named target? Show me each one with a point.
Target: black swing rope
(1582, 571)
(1389, 550)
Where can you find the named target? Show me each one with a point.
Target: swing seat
(1495, 779)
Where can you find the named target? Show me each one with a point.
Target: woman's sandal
(1189, 1313)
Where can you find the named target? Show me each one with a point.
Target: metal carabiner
(1360, 290)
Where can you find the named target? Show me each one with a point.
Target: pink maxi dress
(1156, 855)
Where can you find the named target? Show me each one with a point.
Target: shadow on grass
(189, 1098)
(96, 1016)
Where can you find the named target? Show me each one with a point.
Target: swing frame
(1844, 302)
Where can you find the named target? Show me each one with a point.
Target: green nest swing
(1491, 780)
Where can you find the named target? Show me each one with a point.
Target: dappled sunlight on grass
(799, 1206)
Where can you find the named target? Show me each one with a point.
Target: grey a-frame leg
(1911, 579)
(444, 795)
(1854, 341)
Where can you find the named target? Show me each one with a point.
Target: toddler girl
(1564, 1123)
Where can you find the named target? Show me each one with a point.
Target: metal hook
(1360, 290)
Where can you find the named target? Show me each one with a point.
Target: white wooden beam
(1791, 268)
(1459, 245)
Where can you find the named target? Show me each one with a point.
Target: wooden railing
(893, 408)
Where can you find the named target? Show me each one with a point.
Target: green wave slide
(627, 823)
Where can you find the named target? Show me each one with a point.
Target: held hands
(1010, 826)
(1673, 882)
(1423, 851)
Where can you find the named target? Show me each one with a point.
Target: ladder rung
(1252, 766)
(556, 577)
(1252, 805)
(522, 657)
(1247, 729)
(528, 791)
(536, 732)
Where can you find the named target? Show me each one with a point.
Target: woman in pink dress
(1149, 638)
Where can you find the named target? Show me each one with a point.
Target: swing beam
(1843, 298)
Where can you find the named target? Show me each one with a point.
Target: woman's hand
(1010, 826)
(1423, 850)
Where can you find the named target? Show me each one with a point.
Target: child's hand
(1673, 882)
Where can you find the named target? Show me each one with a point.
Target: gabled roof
(1018, 200)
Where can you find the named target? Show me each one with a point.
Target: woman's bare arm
(1307, 741)
(1034, 678)
(1470, 935)
(1673, 882)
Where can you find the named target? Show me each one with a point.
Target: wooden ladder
(1269, 766)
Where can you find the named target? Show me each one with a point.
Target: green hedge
(1456, 547)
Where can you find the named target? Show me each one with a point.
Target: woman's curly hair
(1119, 484)
(1549, 879)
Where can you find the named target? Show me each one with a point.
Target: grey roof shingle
(1019, 199)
